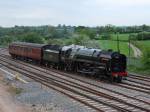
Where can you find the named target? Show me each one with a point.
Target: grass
(123, 37)
(1, 46)
(144, 46)
(145, 43)
(141, 71)
(108, 44)
(15, 90)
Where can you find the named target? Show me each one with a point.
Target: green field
(120, 36)
(145, 43)
(108, 44)
(123, 37)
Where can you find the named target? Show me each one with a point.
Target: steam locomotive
(89, 61)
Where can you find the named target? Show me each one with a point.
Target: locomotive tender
(89, 61)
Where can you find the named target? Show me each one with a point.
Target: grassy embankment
(141, 65)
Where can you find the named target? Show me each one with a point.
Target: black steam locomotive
(89, 61)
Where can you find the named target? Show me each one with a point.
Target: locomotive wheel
(119, 79)
(111, 79)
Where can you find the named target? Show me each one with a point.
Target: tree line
(47, 33)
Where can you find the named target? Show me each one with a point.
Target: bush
(92, 44)
(146, 54)
(133, 37)
(106, 36)
(32, 38)
(143, 36)
(146, 57)
(55, 41)
(83, 40)
(5, 40)
(78, 39)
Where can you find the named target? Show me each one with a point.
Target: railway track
(142, 88)
(146, 83)
(139, 77)
(96, 94)
(135, 86)
(2, 49)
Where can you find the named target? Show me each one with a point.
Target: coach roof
(28, 44)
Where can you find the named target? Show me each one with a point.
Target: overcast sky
(74, 12)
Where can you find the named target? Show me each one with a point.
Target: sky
(74, 12)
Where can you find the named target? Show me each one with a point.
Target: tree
(110, 28)
(145, 27)
(132, 37)
(106, 36)
(32, 37)
(5, 40)
(143, 36)
(80, 39)
(90, 32)
(55, 41)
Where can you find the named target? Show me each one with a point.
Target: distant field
(120, 36)
(123, 37)
(108, 44)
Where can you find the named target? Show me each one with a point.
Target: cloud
(74, 12)
(117, 2)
